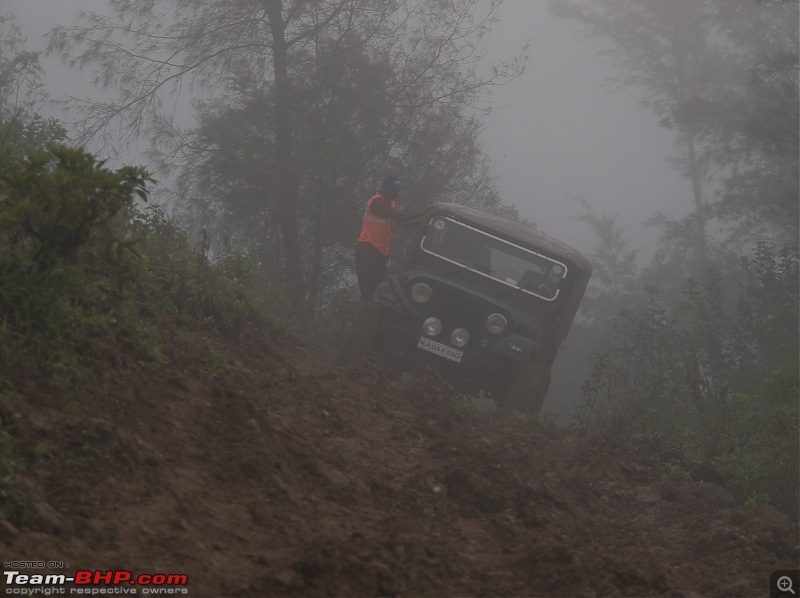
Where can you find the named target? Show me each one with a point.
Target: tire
(528, 387)
(359, 338)
(527, 390)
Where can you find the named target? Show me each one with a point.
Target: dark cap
(392, 181)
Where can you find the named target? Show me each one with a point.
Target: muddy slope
(259, 470)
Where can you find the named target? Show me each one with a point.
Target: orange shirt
(376, 230)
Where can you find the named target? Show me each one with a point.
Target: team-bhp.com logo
(95, 582)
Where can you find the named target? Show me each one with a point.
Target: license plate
(427, 344)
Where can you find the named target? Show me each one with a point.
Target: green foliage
(60, 239)
(85, 274)
(765, 469)
(182, 281)
(293, 140)
(715, 373)
(20, 137)
(10, 464)
(768, 301)
(21, 127)
(614, 273)
(77, 254)
(463, 406)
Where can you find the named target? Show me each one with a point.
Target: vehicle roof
(517, 232)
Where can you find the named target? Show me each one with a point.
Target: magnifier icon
(784, 584)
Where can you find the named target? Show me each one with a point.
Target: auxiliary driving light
(459, 337)
(421, 293)
(432, 326)
(496, 323)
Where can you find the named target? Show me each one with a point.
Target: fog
(697, 347)
(559, 131)
(556, 132)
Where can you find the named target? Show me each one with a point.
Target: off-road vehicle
(483, 300)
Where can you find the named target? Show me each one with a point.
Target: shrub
(61, 239)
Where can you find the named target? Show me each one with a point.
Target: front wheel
(527, 389)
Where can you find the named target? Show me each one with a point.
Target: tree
(760, 134)
(615, 284)
(669, 49)
(723, 75)
(715, 374)
(285, 52)
(344, 147)
(21, 127)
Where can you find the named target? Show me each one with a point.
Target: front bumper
(404, 322)
(397, 349)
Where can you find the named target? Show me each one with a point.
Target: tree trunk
(695, 176)
(316, 255)
(287, 168)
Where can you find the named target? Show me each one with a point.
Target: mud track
(268, 472)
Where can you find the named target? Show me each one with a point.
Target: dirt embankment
(258, 470)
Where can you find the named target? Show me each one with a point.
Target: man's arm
(383, 208)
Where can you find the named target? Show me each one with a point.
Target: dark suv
(483, 300)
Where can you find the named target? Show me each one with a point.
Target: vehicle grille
(457, 309)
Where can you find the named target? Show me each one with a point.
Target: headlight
(432, 326)
(496, 323)
(421, 293)
(459, 337)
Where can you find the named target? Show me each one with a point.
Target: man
(375, 242)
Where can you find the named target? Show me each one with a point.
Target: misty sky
(557, 132)
(560, 131)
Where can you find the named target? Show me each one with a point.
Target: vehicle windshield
(495, 258)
